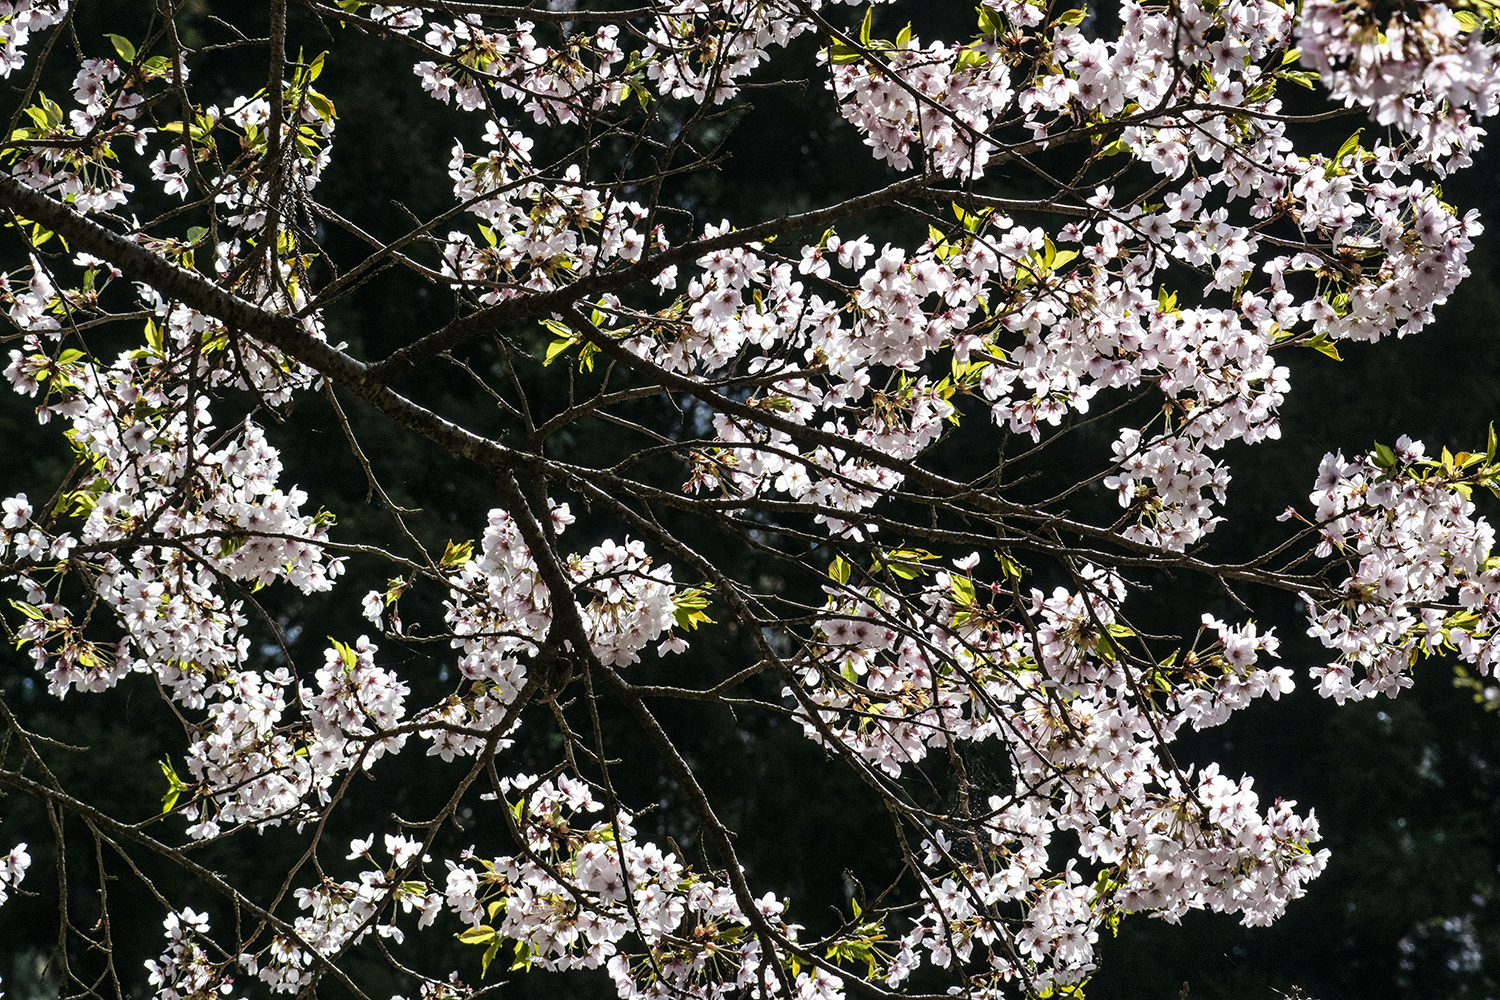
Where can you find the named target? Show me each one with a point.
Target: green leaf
(80, 502)
(483, 934)
(972, 221)
(1323, 345)
(940, 246)
(840, 54)
(1350, 145)
(1384, 457)
(903, 36)
(971, 57)
(557, 347)
(322, 105)
(687, 608)
(175, 787)
(123, 46)
(345, 653)
(1072, 18)
(906, 563)
(962, 590)
(1290, 56)
(839, 570)
(457, 555)
(864, 28)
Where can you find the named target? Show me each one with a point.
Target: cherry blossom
(814, 372)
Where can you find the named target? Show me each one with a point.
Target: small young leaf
(483, 934)
(557, 347)
(1350, 145)
(174, 787)
(123, 46)
(839, 570)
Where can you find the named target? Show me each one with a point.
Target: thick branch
(292, 337)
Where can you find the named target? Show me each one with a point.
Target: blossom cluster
(1424, 70)
(540, 232)
(1074, 322)
(587, 893)
(18, 20)
(500, 610)
(554, 86)
(186, 968)
(148, 462)
(1060, 684)
(692, 50)
(337, 914)
(1421, 574)
(12, 869)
